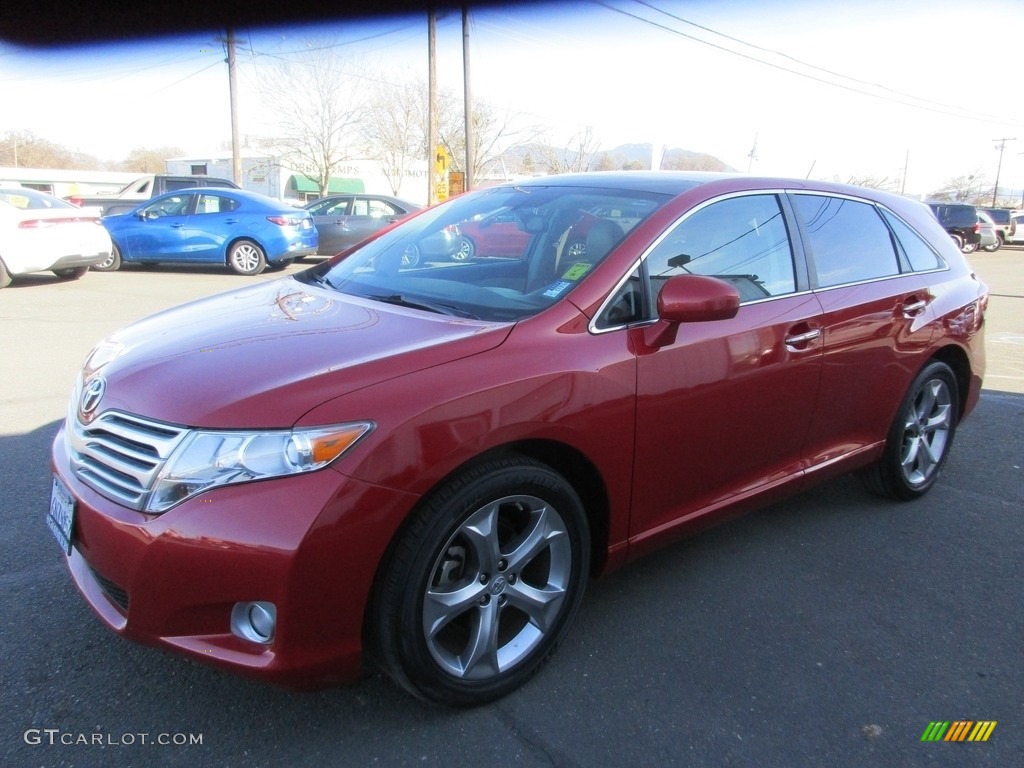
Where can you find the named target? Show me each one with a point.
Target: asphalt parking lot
(829, 630)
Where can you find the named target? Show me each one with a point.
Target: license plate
(61, 517)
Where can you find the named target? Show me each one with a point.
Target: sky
(915, 91)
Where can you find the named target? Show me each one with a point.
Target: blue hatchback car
(244, 230)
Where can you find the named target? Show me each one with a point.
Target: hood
(265, 355)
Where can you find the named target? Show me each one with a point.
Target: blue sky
(830, 90)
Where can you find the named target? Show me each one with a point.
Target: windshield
(499, 255)
(30, 199)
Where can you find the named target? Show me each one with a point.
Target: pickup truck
(144, 188)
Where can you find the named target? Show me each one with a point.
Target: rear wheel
(483, 584)
(71, 273)
(465, 251)
(246, 258)
(5, 276)
(920, 437)
(110, 264)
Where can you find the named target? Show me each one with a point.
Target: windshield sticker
(557, 289)
(576, 271)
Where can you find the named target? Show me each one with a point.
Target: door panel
(215, 221)
(874, 335)
(723, 410)
(159, 233)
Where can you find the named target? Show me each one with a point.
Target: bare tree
(23, 149)
(972, 188)
(394, 129)
(493, 132)
(145, 160)
(579, 154)
(318, 103)
(871, 182)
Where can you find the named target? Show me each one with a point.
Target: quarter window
(742, 240)
(919, 254)
(848, 240)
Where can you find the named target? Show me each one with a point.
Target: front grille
(117, 595)
(120, 455)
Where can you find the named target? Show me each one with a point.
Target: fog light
(254, 621)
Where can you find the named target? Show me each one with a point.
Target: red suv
(427, 462)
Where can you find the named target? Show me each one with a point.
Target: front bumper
(310, 544)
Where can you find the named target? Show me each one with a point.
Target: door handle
(913, 306)
(230, 221)
(179, 225)
(798, 339)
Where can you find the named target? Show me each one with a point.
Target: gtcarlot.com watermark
(55, 736)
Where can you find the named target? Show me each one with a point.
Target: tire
(920, 437)
(969, 247)
(465, 251)
(71, 273)
(277, 266)
(247, 258)
(482, 584)
(994, 247)
(5, 276)
(111, 264)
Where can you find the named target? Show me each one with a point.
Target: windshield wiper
(441, 309)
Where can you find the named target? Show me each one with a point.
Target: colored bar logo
(959, 730)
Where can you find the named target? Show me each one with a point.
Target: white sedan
(39, 233)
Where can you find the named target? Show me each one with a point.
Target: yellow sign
(442, 160)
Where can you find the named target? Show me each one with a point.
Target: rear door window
(847, 239)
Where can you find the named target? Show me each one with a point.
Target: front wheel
(247, 258)
(920, 437)
(483, 584)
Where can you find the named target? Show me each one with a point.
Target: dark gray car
(344, 220)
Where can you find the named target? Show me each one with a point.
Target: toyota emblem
(91, 396)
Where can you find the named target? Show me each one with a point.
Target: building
(265, 173)
(63, 183)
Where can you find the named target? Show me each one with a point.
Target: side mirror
(691, 299)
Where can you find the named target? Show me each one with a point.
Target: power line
(807, 64)
(970, 115)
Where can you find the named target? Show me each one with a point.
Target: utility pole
(467, 183)
(1001, 147)
(432, 107)
(236, 156)
(903, 181)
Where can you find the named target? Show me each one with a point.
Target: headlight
(207, 459)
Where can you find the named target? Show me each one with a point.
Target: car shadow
(824, 610)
